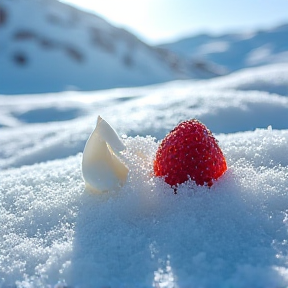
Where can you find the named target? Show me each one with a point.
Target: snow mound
(234, 234)
(272, 79)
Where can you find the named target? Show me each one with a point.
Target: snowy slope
(55, 233)
(236, 51)
(62, 48)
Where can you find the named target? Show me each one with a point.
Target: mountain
(236, 51)
(48, 46)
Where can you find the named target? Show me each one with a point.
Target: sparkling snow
(56, 234)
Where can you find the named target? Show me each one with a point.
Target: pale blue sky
(158, 21)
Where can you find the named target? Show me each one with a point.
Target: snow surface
(235, 234)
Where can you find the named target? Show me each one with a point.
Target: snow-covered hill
(54, 233)
(236, 51)
(48, 46)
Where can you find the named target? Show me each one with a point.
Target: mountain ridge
(235, 51)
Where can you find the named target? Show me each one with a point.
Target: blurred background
(51, 46)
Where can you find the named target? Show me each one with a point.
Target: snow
(54, 233)
(272, 79)
(214, 47)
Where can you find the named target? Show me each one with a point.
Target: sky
(158, 21)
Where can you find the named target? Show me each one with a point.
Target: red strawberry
(189, 151)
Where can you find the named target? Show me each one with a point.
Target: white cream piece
(101, 167)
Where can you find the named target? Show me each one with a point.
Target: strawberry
(189, 151)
